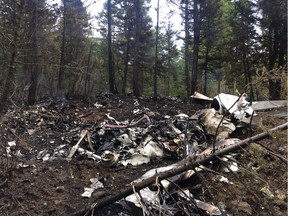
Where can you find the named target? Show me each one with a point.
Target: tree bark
(196, 44)
(274, 84)
(136, 67)
(10, 74)
(156, 67)
(60, 92)
(34, 67)
(110, 54)
(187, 56)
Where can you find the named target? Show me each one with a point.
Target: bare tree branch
(181, 166)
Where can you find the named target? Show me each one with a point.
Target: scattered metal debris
(144, 138)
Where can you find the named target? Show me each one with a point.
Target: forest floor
(33, 185)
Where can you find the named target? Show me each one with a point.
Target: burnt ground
(31, 186)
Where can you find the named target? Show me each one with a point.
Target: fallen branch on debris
(181, 166)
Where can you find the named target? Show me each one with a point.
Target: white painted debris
(182, 116)
(138, 159)
(97, 105)
(266, 105)
(87, 192)
(112, 119)
(152, 149)
(225, 180)
(31, 131)
(210, 120)
(46, 157)
(209, 208)
(136, 103)
(220, 144)
(125, 140)
(136, 111)
(231, 166)
(200, 96)
(89, 154)
(8, 148)
(149, 197)
(238, 106)
(19, 154)
(96, 184)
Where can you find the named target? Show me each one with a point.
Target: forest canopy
(231, 46)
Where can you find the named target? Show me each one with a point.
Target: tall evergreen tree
(274, 28)
(11, 27)
(75, 24)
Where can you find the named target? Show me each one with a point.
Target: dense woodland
(231, 46)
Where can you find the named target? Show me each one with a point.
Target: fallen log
(181, 166)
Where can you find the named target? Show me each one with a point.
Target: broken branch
(145, 117)
(181, 166)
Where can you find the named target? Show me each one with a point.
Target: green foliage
(245, 40)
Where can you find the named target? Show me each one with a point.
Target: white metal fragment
(31, 131)
(89, 154)
(239, 106)
(96, 184)
(87, 192)
(210, 209)
(211, 121)
(138, 159)
(46, 157)
(8, 148)
(97, 105)
(112, 119)
(225, 180)
(125, 140)
(152, 150)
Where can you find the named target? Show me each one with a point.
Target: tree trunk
(196, 44)
(87, 75)
(34, 67)
(187, 57)
(127, 49)
(274, 85)
(156, 54)
(136, 68)
(10, 74)
(248, 77)
(110, 54)
(206, 68)
(60, 92)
